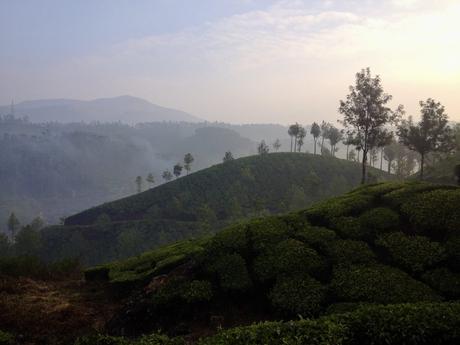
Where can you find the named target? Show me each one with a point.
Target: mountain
(126, 109)
(201, 203)
(336, 263)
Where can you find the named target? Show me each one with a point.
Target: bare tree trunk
(291, 143)
(363, 168)
(389, 167)
(322, 144)
(422, 163)
(381, 159)
(347, 151)
(314, 149)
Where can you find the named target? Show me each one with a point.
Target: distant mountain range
(126, 109)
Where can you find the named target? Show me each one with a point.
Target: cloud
(288, 62)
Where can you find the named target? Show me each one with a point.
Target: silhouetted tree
(324, 133)
(276, 145)
(347, 141)
(177, 170)
(263, 148)
(334, 135)
(13, 225)
(315, 130)
(389, 153)
(300, 137)
(167, 176)
(227, 157)
(188, 160)
(150, 180)
(294, 132)
(365, 112)
(139, 184)
(431, 134)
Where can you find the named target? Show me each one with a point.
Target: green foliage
(316, 237)
(421, 210)
(179, 290)
(350, 252)
(444, 281)
(101, 339)
(378, 284)
(453, 253)
(299, 294)
(197, 291)
(23, 266)
(412, 253)
(232, 272)
(290, 257)
(379, 220)
(6, 338)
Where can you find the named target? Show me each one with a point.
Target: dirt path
(52, 312)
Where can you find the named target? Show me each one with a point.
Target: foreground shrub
(412, 253)
(379, 220)
(444, 281)
(434, 214)
(6, 338)
(349, 227)
(180, 291)
(316, 237)
(349, 252)
(379, 284)
(408, 324)
(453, 253)
(100, 339)
(290, 257)
(298, 295)
(232, 272)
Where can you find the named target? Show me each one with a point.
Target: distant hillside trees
(167, 176)
(177, 170)
(293, 132)
(138, 182)
(315, 131)
(188, 160)
(334, 135)
(150, 180)
(389, 153)
(13, 225)
(457, 173)
(365, 113)
(227, 157)
(263, 148)
(276, 145)
(431, 134)
(300, 137)
(347, 141)
(324, 133)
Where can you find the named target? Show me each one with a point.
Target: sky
(238, 61)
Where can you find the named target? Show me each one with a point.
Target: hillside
(372, 266)
(126, 109)
(377, 245)
(200, 204)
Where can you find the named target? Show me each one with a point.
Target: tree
(263, 148)
(13, 225)
(167, 176)
(177, 170)
(389, 153)
(27, 242)
(300, 137)
(228, 157)
(293, 132)
(315, 130)
(139, 184)
(324, 133)
(150, 180)
(347, 141)
(431, 134)
(276, 145)
(352, 155)
(37, 223)
(334, 135)
(365, 112)
(188, 160)
(457, 173)
(4, 245)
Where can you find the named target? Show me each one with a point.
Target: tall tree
(227, 157)
(13, 225)
(365, 112)
(347, 141)
(177, 170)
(334, 135)
(167, 176)
(276, 145)
(431, 134)
(188, 160)
(300, 137)
(150, 180)
(389, 153)
(263, 148)
(324, 133)
(138, 182)
(293, 133)
(315, 130)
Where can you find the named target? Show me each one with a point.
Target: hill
(199, 204)
(378, 245)
(126, 109)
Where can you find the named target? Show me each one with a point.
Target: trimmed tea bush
(349, 252)
(412, 253)
(379, 220)
(316, 237)
(298, 295)
(379, 284)
(444, 281)
(232, 272)
(290, 257)
(349, 227)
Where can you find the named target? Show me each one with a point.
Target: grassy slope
(380, 244)
(200, 203)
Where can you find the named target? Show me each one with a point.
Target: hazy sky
(231, 60)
